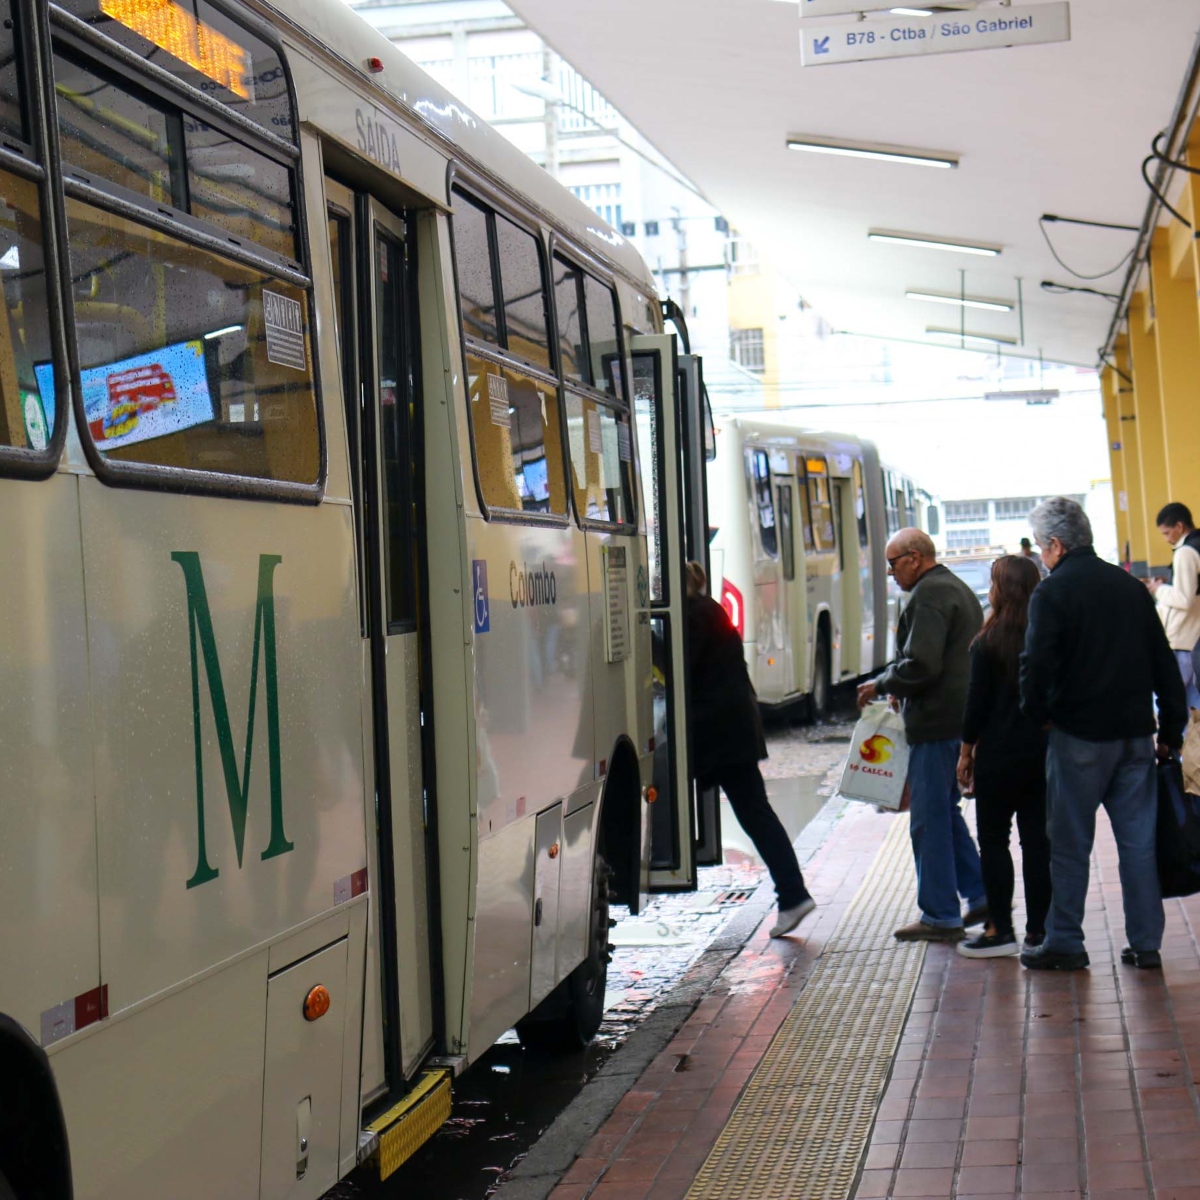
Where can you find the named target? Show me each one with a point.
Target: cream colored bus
(328, 712)
(801, 520)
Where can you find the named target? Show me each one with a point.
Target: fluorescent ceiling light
(928, 242)
(216, 333)
(816, 144)
(911, 12)
(961, 301)
(993, 338)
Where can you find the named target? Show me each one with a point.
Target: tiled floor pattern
(1058, 1086)
(662, 1131)
(801, 1125)
(1006, 1083)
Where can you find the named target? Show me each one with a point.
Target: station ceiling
(718, 88)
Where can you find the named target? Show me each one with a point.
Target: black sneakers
(1147, 960)
(988, 945)
(1043, 959)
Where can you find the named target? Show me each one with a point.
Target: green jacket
(932, 665)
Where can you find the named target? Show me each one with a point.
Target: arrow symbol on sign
(821, 45)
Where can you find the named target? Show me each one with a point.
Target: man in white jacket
(1179, 601)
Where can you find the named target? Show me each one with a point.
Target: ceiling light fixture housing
(990, 338)
(984, 302)
(879, 151)
(926, 241)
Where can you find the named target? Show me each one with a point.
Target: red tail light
(731, 602)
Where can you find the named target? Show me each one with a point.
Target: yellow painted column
(1110, 382)
(1177, 330)
(1152, 455)
(1139, 544)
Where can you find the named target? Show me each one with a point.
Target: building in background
(484, 54)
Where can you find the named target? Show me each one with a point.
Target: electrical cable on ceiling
(1171, 162)
(1158, 195)
(1070, 270)
(1063, 289)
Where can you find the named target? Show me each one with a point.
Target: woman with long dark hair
(1003, 761)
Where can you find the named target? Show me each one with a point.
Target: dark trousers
(743, 785)
(997, 801)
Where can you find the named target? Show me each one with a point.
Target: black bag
(1178, 846)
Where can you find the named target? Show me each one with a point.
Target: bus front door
(671, 445)
(375, 305)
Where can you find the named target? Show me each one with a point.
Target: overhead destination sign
(906, 37)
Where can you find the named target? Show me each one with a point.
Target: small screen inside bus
(141, 398)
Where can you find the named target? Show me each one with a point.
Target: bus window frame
(658, 479)
(859, 480)
(462, 179)
(36, 161)
(755, 482)
(111, 198)
(623, 404)
(827, 476)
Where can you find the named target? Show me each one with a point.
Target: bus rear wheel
(570, 1016)
(821, 699)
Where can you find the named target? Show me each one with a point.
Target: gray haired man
(1095, 659)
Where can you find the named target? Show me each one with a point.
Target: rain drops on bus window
(525, 309)
(603, 345)
(27, 379)
(107, 131)
(189, 360)
(473, 261)
(12, 116)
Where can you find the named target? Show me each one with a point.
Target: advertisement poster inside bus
(140, 398)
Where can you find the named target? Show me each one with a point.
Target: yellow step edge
(408, 1125)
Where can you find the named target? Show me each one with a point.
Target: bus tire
(820, 701)
(570, 1016)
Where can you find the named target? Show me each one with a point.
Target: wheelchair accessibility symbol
(479, 589)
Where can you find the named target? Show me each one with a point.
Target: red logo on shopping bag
(876, 749)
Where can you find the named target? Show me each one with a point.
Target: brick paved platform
(1006, 1083)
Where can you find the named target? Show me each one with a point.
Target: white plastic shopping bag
(877, 768)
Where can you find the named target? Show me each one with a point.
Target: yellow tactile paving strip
(802, 1124)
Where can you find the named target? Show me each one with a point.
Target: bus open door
(672, 441)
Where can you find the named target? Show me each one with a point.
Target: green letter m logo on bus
(237, 790)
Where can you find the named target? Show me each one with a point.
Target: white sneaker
(789, 918)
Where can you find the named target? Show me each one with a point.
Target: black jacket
(725, 725)
(1096, 656)
(930, 670)
(1009, 747)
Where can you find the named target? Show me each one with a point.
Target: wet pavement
(510, 1096)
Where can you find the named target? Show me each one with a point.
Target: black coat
(726, 727)
(1096, 656)
(1010, 748)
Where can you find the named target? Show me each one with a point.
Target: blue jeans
(1080, 776)
(1187, 669)
(946, 858)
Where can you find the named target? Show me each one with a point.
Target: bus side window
(805, 507)
(599, 432)
(787, 543)
(512, 397)
(821, 504)
(28, 414)
(760, 471)
(860, 505)
(522, 284)
(192, 358)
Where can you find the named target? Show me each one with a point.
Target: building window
(967, 539)
(967, 510)
(741, 256)
(1016, 509)
(746, 349)
(604, 199)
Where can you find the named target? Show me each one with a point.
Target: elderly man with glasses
(929, 678)
(1095, 659)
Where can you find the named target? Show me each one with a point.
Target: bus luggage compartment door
(302, 1085)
